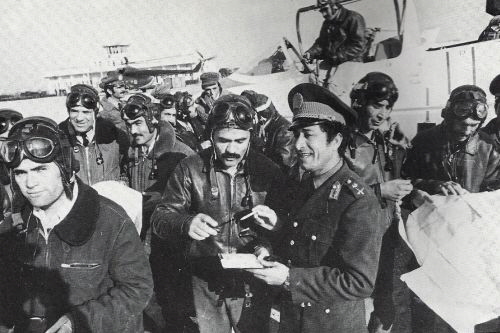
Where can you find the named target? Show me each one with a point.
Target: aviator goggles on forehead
(469, 103)
(234, 115)
(168, 102)
(466, 109)
(5, 122)
(185, 102)
(134, 109)
(37, 149)
(86, 100)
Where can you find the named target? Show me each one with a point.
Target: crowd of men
(316, 202)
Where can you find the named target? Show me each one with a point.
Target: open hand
(450, 188)
(395, 189)
(274, 273)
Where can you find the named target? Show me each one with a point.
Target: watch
(286, 284)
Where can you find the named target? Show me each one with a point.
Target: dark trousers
(391, 297)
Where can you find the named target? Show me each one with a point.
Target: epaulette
(356, 189)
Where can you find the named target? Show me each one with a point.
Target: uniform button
(348, 181)
(295, 224)
(289, 262)
(292, 242)
(313, 237)
(302, 305)
(327, 310)
(308, 303)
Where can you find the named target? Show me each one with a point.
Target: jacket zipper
(47, 258)
(87, 164)
(232, 191)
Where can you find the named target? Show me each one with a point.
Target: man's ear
(337, 141)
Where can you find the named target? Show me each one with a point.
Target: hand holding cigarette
(264, 217)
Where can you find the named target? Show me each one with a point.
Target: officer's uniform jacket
(332, 245)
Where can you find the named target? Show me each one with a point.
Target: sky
(39, 37)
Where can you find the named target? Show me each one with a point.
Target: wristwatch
(286, 284)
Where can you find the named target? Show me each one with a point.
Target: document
(239, 260)
(456, 240)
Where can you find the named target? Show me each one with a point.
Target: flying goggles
(136, 107)
(185, 102)
(34, 142)
(168, 102)
(232, 115)
(86, 100)
(468, 103)
(468, 109)
(6, 121)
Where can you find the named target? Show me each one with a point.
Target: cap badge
(298, 101)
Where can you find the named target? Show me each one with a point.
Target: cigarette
(248, 215)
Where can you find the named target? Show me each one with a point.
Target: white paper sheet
(457, 241)
(239, 260)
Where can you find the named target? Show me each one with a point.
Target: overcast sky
(41, 36)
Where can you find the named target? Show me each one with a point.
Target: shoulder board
(356, 189)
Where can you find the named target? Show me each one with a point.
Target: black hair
(332, 129)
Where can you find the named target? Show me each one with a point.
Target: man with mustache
(199, 215)
(115, 89)
(153, 156)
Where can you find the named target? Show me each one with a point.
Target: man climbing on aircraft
(341, 38)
